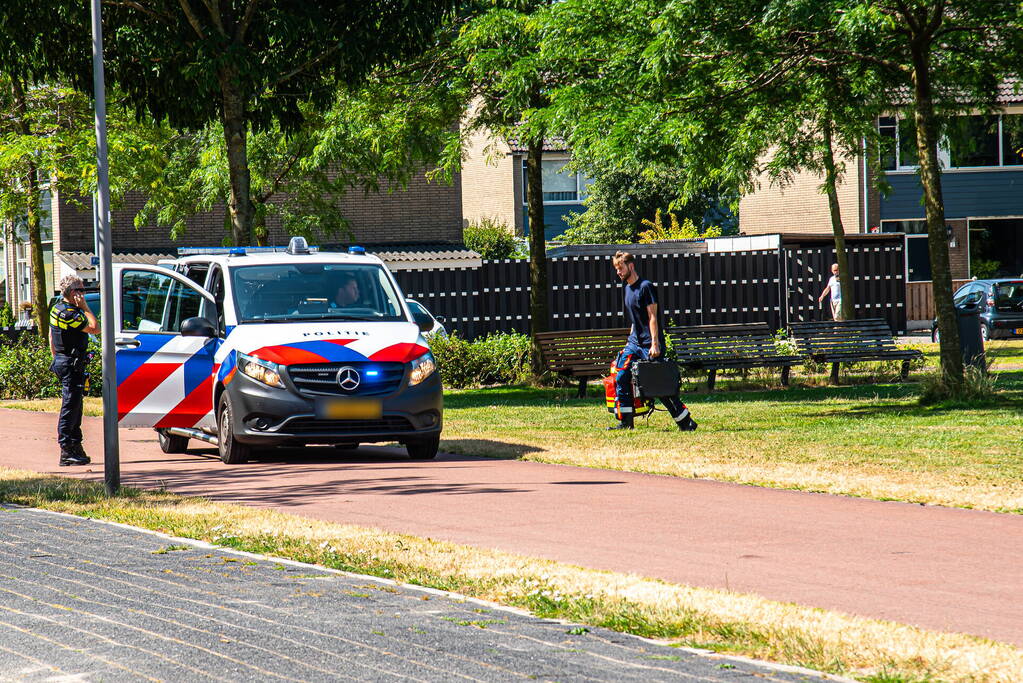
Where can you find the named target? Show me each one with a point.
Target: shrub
(25, 370)
(490, 238)
(494, 359)
(685, 230)
(6, 315)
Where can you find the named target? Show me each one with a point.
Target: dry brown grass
(730, 622)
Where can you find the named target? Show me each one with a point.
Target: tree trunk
(539, 311)
(845, 277)
(934, 210)
(236, 129)
(32, 220)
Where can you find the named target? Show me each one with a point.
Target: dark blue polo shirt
(638, 296)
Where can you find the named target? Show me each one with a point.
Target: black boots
(625, 423)
(74, 455)
(687, 425)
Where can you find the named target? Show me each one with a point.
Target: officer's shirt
(67, 323)
(638, 296)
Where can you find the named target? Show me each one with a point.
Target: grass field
(869, 440)
(869, 650)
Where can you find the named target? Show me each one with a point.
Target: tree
(507, 83)
(619, 200)
(380, 133)
(255, 66)
(709, 84)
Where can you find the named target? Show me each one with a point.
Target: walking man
(646, 342)
(71, 323)
(835, 287)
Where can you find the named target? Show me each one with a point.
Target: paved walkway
(943, 569)
(87, 601)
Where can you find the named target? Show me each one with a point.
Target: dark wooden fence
(772, 286)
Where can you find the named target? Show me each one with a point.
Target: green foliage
(25, 370)
(983, 269)
(621, 197)
(494, 359)
(6, 315)
(686, 230)
(490, 238)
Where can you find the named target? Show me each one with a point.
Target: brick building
(422, 213)
(494, 183)
(982, 189)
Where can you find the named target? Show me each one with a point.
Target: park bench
(582, 354)
(721, 347)
(847, 341)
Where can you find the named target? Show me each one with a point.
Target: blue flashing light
(356, 250)
(237, 251)
(372, 373)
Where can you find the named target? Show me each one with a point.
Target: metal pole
(111, 453)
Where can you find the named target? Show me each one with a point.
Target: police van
(278, 348)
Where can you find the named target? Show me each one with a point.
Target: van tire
(985, 332)
(423, 450)
(172, 443)
(231, 452)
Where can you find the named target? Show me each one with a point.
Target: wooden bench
(582, 354)
(847, 341)
(720, 347)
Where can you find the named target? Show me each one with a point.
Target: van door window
(196, 272)
(216, 288)
(154, 302)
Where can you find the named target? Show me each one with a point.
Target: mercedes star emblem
(348, 378)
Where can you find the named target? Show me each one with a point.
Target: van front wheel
(231, 452)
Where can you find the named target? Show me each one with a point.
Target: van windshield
(301, 292)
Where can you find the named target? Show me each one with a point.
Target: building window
(560, 186)
(972, 142)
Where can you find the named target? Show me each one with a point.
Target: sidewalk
(86, 600)
(939, 568)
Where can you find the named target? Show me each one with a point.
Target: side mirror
(440, 319)
(197, 327)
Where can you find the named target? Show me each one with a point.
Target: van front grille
(321, 379)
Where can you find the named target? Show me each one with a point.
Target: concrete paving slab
(91, 601)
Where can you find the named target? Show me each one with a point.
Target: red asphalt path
(938, 568)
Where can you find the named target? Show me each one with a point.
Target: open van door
(164, 377)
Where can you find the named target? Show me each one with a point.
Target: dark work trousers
(623, 386)
(71, 373)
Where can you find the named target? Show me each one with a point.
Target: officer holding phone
(71, 323)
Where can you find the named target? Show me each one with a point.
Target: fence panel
(878, 289)
(920, 300)
(503, 304)
(448, 292)
(741, 287)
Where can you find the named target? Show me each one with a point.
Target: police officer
(71, 323)
(646, 341)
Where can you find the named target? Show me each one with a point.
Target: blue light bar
(237, 251)
(356, 250)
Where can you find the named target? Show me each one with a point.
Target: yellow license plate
(349, 409)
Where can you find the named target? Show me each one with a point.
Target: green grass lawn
(869, 440)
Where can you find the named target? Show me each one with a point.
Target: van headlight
(422, 367)
(260, 370)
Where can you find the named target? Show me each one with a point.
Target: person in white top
(835, 287)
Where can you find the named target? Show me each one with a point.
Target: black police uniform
(70, 345)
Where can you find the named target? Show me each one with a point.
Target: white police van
(277, 348)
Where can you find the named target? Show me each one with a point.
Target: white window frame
(580, 184)
(944, 153)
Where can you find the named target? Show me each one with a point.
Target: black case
(656, 378)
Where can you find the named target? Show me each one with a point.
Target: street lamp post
(111, 452)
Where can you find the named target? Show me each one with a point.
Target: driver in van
(347, 292)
